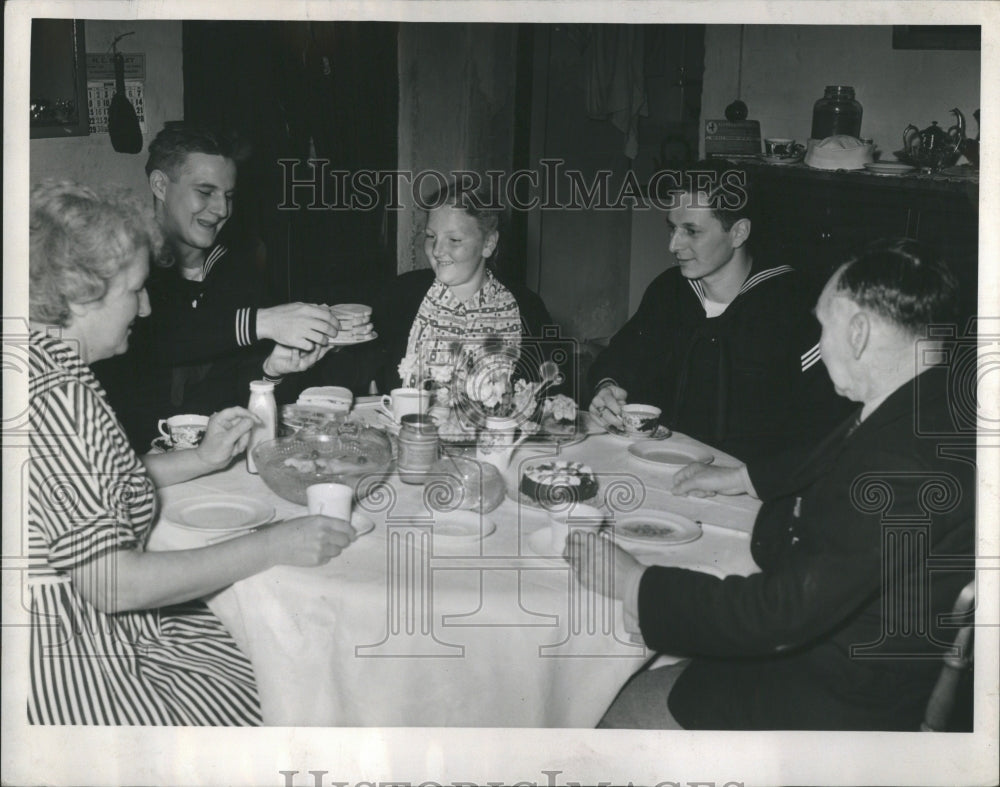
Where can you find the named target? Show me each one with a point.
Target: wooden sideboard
(815, 218)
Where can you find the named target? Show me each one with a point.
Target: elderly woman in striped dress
(119, 635)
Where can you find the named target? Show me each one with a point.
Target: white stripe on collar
(749, 284)
(757, 278)
(214, 256)
(811, 357)
(699, 290)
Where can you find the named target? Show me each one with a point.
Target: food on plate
(344, 463)
(558, 481)
(649, 530)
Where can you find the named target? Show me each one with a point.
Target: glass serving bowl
(348, 455)
(460, 482)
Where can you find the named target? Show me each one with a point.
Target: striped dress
(89, 496)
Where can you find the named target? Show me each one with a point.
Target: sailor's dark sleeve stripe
(811, 357)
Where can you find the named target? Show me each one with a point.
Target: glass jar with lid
(836, 113)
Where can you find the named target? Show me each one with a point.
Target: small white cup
(333, 500)
(578, 516)
(404, 401)
(183, 431)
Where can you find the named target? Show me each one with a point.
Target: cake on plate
(558, 481)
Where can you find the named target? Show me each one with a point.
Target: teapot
(933, 147)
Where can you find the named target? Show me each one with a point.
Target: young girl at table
(118, 635)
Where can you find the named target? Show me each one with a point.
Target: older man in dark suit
(840, 629)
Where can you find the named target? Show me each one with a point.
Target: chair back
(956, 661)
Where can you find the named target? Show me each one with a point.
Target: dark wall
(298, 90)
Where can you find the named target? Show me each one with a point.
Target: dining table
(409, 627)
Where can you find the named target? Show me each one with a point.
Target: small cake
(558, 482)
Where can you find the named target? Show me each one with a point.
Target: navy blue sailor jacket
(748, 381)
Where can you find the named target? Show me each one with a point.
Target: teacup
(183, 431)
(780, 146)
(404, 401)
(640, 420)
(333, 500)
(578, 516)
(353, 318)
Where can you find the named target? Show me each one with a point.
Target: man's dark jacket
(835, 632)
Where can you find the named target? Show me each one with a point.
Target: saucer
(161, 444)
(661, 433)
(362, 523)
(348, 340)
(793, 159)
(889, 168)
(458, 527)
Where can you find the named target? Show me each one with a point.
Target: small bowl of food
(354, 454)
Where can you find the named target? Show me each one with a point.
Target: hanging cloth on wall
(616, 81)
(123, 123)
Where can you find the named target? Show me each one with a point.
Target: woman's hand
(226, 436)
(601, 565)
(607, 404)
(289, 360)
(308, 540)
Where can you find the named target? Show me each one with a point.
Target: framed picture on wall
(58, 79)
(936, 37)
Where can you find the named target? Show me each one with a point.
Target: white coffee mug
(578, 516)
(334, 500)
(404, 401)
(183, 431)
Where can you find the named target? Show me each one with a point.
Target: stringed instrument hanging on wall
(123, 123)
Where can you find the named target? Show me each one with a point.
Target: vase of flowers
(478, 397)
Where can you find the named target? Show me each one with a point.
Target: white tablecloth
(402, 631)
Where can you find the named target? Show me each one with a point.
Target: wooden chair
(945, 693)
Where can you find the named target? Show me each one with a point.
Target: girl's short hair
(79, 240)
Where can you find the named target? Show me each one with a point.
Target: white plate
(656, 528)
(351, 340)
(671, 455)
(889, 168)
(461, 526)
(362, 523)
(218, 513)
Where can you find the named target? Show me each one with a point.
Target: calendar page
(99, 93)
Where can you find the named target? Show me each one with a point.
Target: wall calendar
(99, 93)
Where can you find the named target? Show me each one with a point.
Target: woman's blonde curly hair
(80, 238)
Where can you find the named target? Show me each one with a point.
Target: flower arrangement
(479, 382)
